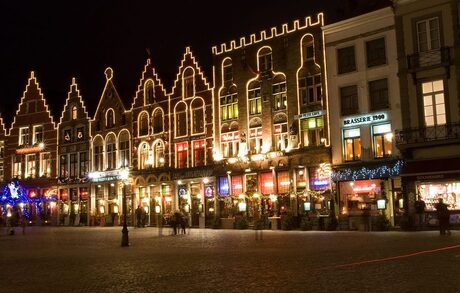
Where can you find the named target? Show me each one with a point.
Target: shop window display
(448, 191)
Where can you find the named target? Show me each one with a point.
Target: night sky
(60, 40)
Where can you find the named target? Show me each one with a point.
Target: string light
(388, 170)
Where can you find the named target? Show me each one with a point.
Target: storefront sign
(365, 119)
(311, 114)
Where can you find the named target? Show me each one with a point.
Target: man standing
(443, 217)
(420, 211)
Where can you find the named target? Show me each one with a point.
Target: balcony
(437, 133)
(421, 60)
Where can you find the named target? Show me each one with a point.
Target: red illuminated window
(266, 183)
(283, 182)
(199, 149)
(237, 185)
(181, 154)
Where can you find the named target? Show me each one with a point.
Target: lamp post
(124, 231)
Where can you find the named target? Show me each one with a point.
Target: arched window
(110, 118)
(144, 160)
(197, 109)
(189, 84)
(143, 124)
(158, 121)
(123, 149)
(229, 104)
(254, 98)
(111, 152)
(308, 49)
(227, 70)
(181, 119)
(74, 112)
(98, 154)
(265, 59)
(149, 94)
(158, 153)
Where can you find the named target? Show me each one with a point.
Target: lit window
(383, 140)
(111, 153)
(255, 101)
(352, 144)
(38, 134)
(281, 136)
(229, 107)
(45, 164)
(313, 131)
(199, 150)
(24, 136)
(230, 143)
(181, 155)
(144, 156)
(30, 166)
(123, 142)
(433, 103)
(74, 113)
(279, 95)
(255, 140)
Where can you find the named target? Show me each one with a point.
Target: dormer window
(110, 119)
(74, 112)
(188, 79)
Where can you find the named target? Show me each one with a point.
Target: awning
(431, 167)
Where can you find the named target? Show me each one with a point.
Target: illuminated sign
(365, 119)
(311, 114)
(320, 182)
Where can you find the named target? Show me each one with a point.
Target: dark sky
(64, 39)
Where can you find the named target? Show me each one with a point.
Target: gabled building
(428, 50)
(73, 155)
(30, 151)
(111, 144)
(191, 141)
(271, 122)
(364, 99)
(151, 170)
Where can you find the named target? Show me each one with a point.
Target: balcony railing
(429, 58)
(428, 134)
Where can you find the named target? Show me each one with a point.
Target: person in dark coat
(443, 217)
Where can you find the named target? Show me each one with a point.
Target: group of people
(442, 213)
(179, 223)
(140, 217)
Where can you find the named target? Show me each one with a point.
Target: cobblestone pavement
(91, 259)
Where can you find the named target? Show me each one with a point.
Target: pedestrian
(143, 217)
(183, 223)
(173, 221)
(138, 216)
(443, 217)
(419, 206)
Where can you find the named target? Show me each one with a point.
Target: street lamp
(124, 232)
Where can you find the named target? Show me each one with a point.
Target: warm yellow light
(241, 196)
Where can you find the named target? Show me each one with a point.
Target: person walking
(138, 216)
(443, 217)
(419, 206)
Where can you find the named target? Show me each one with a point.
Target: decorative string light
(388, 170)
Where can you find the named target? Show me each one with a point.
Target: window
(428, 35)
(229, 107)
(38, 134)
(346, 59)
(98, 157)
(237, 184)
(265, 60)
(383, 140)
(230, 144)
(45, 164)
(73, 171)
(63, 168)
(149, 94)
(352, 141)
(123, 149)
(310, 91)
(279, 95)
(266, 183)
(255, 140)
(80, 133)
(74, 113)
(308, 52)
(144, 156)
(24, 136)
(375, 52)
(181, 155)
(349, 100)
(181, 120)
(111, 153)
(30, 166)
(197, 116)
(67, 135)
(313, 131)
(83, 169)
(158, 121)
(17, 166)
(188, 80)
(199, 150)
(378, 94)
(281, 136)
(227, 70)
(143, 124)
(159, 155)
(434, 103)
(283, 182)
(255, 101)
(110, 119)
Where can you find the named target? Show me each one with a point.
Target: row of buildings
(347, 119)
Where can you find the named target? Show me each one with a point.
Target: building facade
(271, 144)
(428, 42)
(74, 160)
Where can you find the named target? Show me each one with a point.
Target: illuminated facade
(427, 35)
(74, 160)
(30, 150)
(364, 100)
(271, 122)
(111, 143)
(151, 168)
(2, 149)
